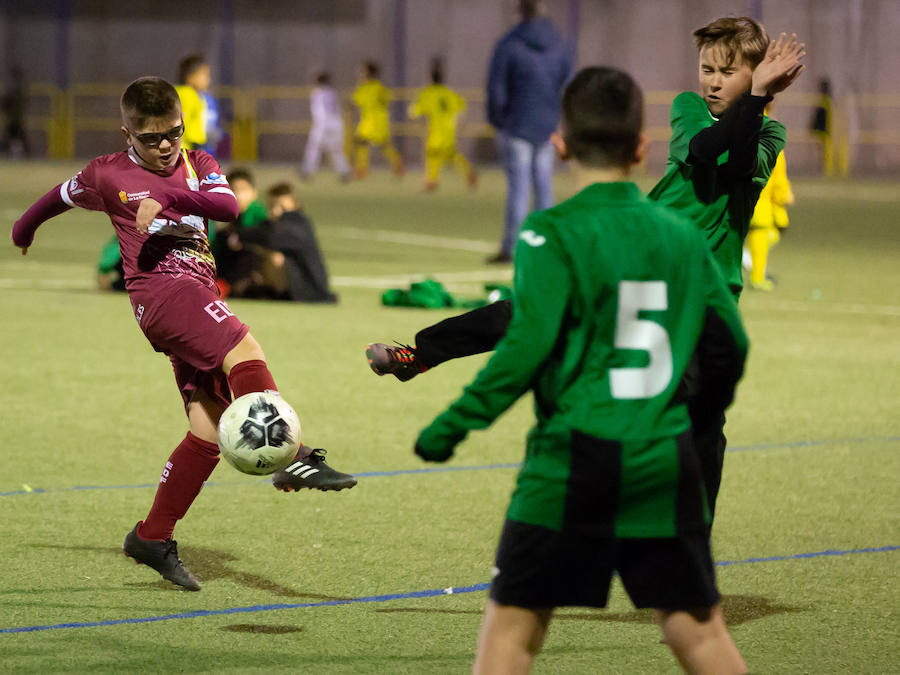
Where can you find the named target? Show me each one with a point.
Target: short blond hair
(736, 35)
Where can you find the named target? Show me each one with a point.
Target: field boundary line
(409, 595)
(477, 276)
(447, 278)
(446, 469)
(409, 238)
(832, 308)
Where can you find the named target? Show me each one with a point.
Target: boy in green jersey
(723, 148)
(721, 154)
(613, 297)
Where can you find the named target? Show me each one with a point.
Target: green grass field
(807, 530)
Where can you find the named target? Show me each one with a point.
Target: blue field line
(806, 444)
(411, 595)
(445, 469)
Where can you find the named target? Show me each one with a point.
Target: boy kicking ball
(613, 296)
(159, 199)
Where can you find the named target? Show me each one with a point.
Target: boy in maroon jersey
(159, 199)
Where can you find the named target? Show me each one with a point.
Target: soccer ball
(259, 433)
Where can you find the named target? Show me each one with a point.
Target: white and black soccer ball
(259, 433)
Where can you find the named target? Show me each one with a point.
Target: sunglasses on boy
(152, 140)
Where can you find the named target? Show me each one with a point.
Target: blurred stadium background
(78, 54)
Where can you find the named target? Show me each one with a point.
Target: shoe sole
(371, 355)
(169, 579)
(286, 487)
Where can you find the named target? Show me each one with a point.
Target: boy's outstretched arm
(541, 297)
(217, 203)
(45, 208)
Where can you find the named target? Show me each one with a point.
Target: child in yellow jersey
(374, 128)
(769, 219)
(441, 106)
(194, 79)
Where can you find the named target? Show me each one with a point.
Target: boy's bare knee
(248, 349)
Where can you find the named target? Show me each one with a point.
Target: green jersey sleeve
(542, 286)
(688, 116)
(772, 139)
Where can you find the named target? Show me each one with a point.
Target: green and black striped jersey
(613, 296)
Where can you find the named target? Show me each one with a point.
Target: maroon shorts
(186, 319)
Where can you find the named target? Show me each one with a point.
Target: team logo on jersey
(126, 197)
(214, 179)
(74, 186)
(531, 238)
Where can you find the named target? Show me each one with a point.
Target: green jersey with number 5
(613, 297)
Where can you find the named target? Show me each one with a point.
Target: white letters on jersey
(643, 335)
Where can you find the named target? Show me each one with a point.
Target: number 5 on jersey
(643, 335)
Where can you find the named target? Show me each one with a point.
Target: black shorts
(540, 568)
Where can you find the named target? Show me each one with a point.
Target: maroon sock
(248, 377)
(183, 476)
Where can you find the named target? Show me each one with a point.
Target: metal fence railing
(250, 113)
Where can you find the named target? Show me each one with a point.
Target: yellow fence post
(245, 143)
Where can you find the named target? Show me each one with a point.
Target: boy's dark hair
(602, 117)
(737, 35)
(437, 70)
(240, 174)
(373, 70)
(148, 97)
(323, 79)
(280, 190)
(529, 9)
(188, 66)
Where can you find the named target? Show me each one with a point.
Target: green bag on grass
(431, 294)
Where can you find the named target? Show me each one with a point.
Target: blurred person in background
(769, 220)
(529, 68)
(327, 132)
(237, 264)
(290, 234)
(14, 104)
(214, 132)
(194, 79)
(821, 125)
(374, 128)
(441, 106)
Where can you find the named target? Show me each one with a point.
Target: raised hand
(780, 66)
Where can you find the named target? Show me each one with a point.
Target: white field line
(410, 238)
(406, 279)
(830, 308)
(849, 191)
(460, 279)
(61, 284)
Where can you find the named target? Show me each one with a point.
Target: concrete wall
(282, 42)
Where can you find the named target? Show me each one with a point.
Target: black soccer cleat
(161, 556)
(399, 361)
(311, 472)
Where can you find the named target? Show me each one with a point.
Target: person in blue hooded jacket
(529, 68)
